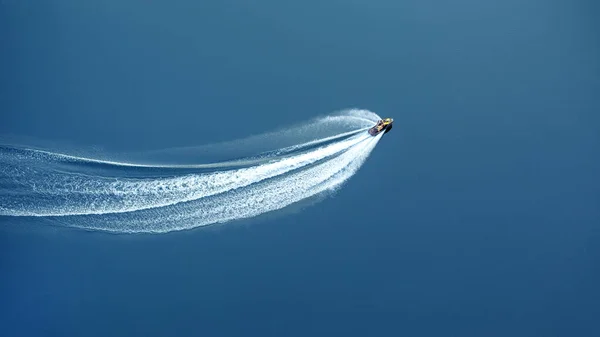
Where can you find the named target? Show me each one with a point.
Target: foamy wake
(38, 183)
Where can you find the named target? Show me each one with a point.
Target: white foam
(163, 204)
(74, 194)
(243, 203)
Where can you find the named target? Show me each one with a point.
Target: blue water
(477, 215)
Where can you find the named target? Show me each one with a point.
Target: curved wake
(139, 197)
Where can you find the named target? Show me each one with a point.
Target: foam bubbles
(46, 184)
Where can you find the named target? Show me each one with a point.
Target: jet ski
(384, 125)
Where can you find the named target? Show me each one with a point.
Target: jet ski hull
(384, 125)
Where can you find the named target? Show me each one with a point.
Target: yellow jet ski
(384, 125)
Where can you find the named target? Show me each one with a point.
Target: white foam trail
(38, 183)
(229, 164)
(243, 203)
(340, 122)
(361, 114)
(71, 194)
